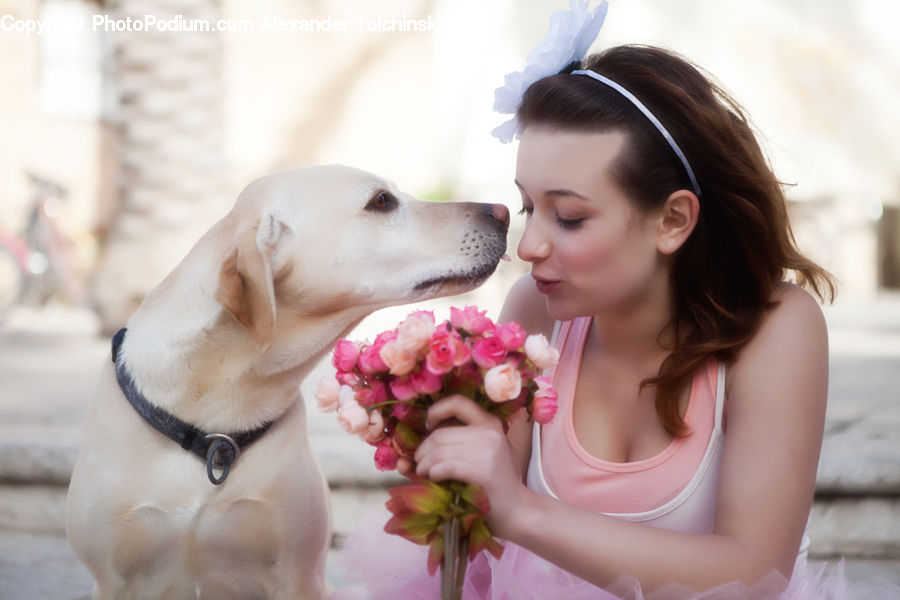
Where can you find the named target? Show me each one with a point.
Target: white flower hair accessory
(568, 39)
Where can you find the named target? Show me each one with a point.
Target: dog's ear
(246, 282)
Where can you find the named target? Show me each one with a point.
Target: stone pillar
(172, 177)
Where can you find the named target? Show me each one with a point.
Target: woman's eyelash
(569, 223)
(564, 223)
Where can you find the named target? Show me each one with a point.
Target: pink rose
(375, 393)
(446, 350)
(488, 352)
(469, 375)
(351, 379)
(470, 319)
(403, 389)
(327, 394)
(503, 383)
(345, 355)
(353, 417)
(415, 332)
(512, 335)
(375, 431)
(540, 352)
(544, 383)
(403, 412)
(398, 360)
(426, 382)
(386, 457)
(428, 315)
(545, 406)
(370, 361)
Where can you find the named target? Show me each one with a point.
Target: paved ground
(49, 359)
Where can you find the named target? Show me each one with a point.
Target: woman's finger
(406, 467)
(476, 445)
(459, 407)
(459, 437)
(449, 469)
(454, 451)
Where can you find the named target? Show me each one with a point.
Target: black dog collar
(218, 450)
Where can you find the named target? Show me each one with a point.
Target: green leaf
(435, 553)
(480, 538)
(426, 498)
(418, 529)
(476, 497)
(407, 439)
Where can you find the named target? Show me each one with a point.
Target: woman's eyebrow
(557, 192)
(565, 193)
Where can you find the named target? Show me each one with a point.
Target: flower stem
(462, 560)
(453, 568)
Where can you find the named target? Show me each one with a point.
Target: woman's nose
(533, 246)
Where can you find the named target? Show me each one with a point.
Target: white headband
(659, 126)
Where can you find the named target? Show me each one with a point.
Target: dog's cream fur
(223, 343)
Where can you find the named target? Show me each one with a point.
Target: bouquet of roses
(382, 391)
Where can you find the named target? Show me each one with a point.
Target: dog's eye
(382, 202)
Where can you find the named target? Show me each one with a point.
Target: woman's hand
(476, 452)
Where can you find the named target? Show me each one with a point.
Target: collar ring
(223, 452)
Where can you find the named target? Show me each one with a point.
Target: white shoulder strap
(720, 398)
(557, 325)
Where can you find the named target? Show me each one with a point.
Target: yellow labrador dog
(196, 478)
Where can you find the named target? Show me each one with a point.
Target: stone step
(867, 527)
(44, 566)
(853, 528)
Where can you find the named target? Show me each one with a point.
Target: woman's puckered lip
(545, 280)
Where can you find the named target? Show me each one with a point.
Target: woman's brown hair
(724, 275)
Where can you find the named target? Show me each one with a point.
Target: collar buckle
(222, 453)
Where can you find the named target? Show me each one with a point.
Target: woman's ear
(677, 220)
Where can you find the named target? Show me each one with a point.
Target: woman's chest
(613, 418)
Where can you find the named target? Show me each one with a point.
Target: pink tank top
(676, 489)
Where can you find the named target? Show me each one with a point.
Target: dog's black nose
(501, 213)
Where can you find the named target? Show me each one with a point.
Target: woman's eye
(569, 223)
(526, 210)
(382, 202)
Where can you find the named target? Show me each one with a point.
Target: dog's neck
(191, 358)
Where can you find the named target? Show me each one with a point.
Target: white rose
(398, 360)
(353, 417)
(503, 383)
(375, 431)
(415, 332)
(328, 394)
(540, 352)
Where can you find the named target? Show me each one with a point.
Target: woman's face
(590, 251)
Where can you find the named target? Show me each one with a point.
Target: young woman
(693, 375)
(694, 357)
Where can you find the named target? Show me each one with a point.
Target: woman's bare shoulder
(527, 307)
(795, 315)
(792, 334)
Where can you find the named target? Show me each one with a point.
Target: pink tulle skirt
(378, 566)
